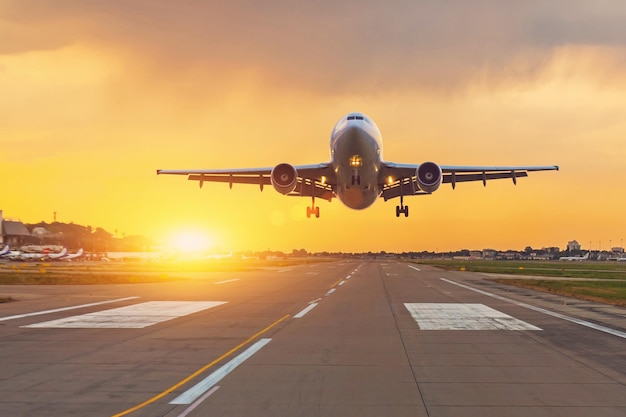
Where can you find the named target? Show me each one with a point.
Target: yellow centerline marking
(199, 371)
(338, 281)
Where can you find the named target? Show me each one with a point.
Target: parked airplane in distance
(4, 251)
(356, 173)
(45, 255)
(574, 258)
(70, 256)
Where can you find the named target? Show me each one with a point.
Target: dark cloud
(322, 44)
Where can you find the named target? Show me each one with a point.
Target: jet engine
(429, 176)
(284, 178)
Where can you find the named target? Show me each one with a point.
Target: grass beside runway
(595, 281)
(132, 272)
(608, 292)
(594, 270)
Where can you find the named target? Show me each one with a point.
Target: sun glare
(189, 242)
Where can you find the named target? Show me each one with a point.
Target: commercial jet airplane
(574, 258)
(357, 173)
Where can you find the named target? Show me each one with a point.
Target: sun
(191, 242)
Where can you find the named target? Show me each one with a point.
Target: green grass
(596, 281)
(608, 292)
(595, 270)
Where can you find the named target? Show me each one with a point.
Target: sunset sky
(95, 96)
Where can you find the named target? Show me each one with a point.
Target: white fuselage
(356, 149)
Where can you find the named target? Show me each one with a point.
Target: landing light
(323, 179)
(390, 180)
(356, 161)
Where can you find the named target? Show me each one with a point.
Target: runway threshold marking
(412, 267)
(453, 316)
(135, 316)
(56, 310)
(207, 383)
(201, 370)
(305, 310)
(544, 311)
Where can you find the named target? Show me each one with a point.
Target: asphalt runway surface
(352, 338)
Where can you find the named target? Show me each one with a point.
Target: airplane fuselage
(356, 157)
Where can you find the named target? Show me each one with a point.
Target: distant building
(489, 253)
(13, 233)
(573, 246)
(552, 250)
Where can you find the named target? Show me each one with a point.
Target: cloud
(322, 45)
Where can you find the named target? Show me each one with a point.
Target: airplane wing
(317, 180)
(403, 181)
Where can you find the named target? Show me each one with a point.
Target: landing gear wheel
(312, 209)
(402, 210)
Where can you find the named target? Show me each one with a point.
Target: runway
(347, 338)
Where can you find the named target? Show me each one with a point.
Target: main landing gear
(402, 208)
(313, 210)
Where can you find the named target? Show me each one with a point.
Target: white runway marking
(228, 280)
(332, 290)
(56, 310)
(544, 311)
(412, 267)
(207, 383)
(305, 310)
(198, 401)
(136, 316)
(449, 316)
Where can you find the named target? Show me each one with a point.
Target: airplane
(356, 172)
(70, 256)
(4, 251)
(36, 256)
(54, 256)
(574, 258)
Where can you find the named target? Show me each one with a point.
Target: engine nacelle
(429, 176)
(284, 178)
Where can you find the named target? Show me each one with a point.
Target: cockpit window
(355, 118)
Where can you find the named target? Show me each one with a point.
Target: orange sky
(95, 96)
